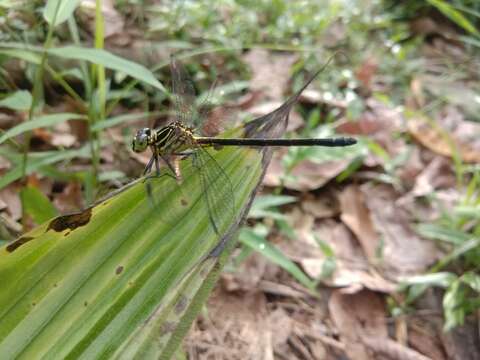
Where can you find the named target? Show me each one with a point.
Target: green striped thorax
(170, 139)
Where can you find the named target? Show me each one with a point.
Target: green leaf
(452, 305)
(441, 279)
(453, 14)
(471, 212)
(249, 238)
(19, 100)
(120, 119)
(39, 122)
(26, 55)
(37, 160)
(110, 61)
(472, 280)
(442, 233)
(266, 201)
(261, 205)
(95, 56)
(125, 278)
(37, 205)
(65, 10)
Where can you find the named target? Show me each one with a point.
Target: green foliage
(58, 11)
(255, 239)
(456, 16)
(37, 205)
(38, 122)
(19, 100)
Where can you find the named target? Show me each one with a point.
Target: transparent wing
(183, 93)
(191, 111)
(217, 188)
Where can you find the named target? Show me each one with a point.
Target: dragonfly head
(141, 140)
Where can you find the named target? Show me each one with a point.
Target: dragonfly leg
(157, 165)
(149, 165)
(172, 168)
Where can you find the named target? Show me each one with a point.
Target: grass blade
(39, 122)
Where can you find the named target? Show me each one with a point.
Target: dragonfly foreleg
(149, 165)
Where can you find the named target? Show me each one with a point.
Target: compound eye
(140, 141)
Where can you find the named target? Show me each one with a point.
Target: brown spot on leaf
(85, 303)
(67, 233)
(70, 221)
(184, 202)
(119, 270)
(19, 242)
(181, 305)
(167, 327)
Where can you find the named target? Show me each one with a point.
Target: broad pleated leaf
(125, 278)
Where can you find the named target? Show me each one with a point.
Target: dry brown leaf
(249, 274)
(70, 199)
(392, 349)
(426, 25)
(113, 20)
(307, 175)
(312, 96)
(62, 136)
(275, 170)
(9, 196)
(231, 330)
(366, 72)
(9, 118)
(356, 317)
(403, 252)
(323, 206)
(437, 174)
(378, 123)
(352, 271)
(269, 72)
(424, 338)
(441, 143)
(411, 168)
(281, 325)
(365, 125)
(417, 98)
(357, 217)
(463, 343)
(4, 163)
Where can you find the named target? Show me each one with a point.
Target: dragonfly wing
(217, 188)
(191, 111)
(183, 93)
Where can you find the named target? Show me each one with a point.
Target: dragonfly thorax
(169, 139)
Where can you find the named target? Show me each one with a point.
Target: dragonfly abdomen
(333, 142)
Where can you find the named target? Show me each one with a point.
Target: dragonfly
(181, 138)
